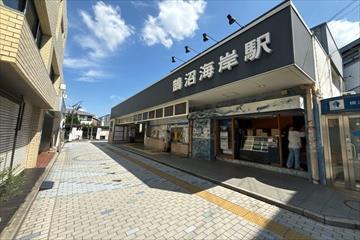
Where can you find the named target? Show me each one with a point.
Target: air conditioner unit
(62, 86)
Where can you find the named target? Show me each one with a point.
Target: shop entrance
(261, 138)
(342, 150)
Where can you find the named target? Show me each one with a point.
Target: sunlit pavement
(102, 192)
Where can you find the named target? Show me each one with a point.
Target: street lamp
(187, 49)
(232, 20)
(173, 59)
(206, 37)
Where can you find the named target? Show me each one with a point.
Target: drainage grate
(111, 173)
(46, 185)
(116, 180)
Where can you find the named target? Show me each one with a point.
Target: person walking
(294, 138)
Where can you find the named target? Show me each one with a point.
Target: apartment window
(159, 113)
(139, 117)
(32, 17)
(180, 108)
(33, 21)
(145, 116)
(151, 114)
(15, 4)
(52, 74)
(169, 111)
(38, 37)
(62, 29)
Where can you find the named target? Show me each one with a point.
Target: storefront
(341, 130)
(168, 135)
(238, 98)
(257, 131)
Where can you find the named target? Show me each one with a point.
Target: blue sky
(116, 48)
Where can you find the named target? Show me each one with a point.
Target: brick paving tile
(85, 203)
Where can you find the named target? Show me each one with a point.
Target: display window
(225, 137)
(266, 140)
(180, 134)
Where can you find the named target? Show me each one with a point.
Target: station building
(237, 100)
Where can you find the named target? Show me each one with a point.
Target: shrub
(10, 185)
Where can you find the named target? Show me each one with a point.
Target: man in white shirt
(294, 148)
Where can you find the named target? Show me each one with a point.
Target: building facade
(32, 41)
(351, 59)
(85, 118)
(237, 100)
(105, 120)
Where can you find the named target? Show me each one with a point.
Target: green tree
(74, 121)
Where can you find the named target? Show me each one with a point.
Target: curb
(333, 221)
(18, 218)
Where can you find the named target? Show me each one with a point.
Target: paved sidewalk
(103, 192)
(322, 203)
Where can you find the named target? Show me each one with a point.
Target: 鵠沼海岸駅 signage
(253, 50)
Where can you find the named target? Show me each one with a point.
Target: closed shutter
(9, 111)
(120, 134)
(23, 139)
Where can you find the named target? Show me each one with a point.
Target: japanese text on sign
(253, 50)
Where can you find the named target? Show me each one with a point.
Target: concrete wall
(324, 76)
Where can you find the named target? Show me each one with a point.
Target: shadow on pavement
(139, 172)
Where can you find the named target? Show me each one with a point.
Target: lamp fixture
(206, 37)
(187, 49)
(232, 20)
(173, 59)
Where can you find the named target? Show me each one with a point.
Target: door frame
(349, 151)
(349, 181)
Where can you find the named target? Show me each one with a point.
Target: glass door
(352, 146)
(342, 150)
(335, 153)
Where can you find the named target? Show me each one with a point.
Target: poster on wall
(224, 140)
(201, 128)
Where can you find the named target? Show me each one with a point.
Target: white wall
(324, 79)
(102, 133)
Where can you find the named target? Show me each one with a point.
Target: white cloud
(107, 30)
(95, 74)
(142, 4)
(116, 98)
(87, 79)
(344, 31)
(177, 20)
(101, 33)
(77, 63)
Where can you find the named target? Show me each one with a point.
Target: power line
(342, 10)
(349, 11)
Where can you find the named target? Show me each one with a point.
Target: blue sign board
(348, 103)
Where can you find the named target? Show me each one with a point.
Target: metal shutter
(23, 139)
(9, 111)
(120, 134)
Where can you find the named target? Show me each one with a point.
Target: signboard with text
(348, 103)
(258, 48)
